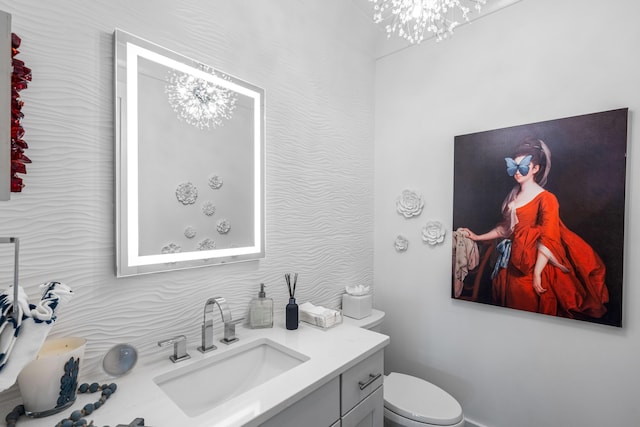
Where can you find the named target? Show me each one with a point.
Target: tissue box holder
(357, 306)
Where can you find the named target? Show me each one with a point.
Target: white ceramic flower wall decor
(190, 232)
(208, 208)
(409, 204)
(206, 245)
(223, 226)
(433, 233)
(171, 248)
(186, 193)
(401, 244)
(215, 182)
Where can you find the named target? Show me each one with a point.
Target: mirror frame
(6, 69)
(128, 48)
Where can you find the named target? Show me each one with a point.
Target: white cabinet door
(321, 408)
(368, 413)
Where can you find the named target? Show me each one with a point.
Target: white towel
(21, 340)
(319, 316)
(466, 257)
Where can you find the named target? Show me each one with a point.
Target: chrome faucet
(207, 324)
(179, 348)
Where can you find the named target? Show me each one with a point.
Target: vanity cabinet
(353, 399)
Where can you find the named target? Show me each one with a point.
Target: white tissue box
(357, 307)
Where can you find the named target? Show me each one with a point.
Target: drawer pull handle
(366, 384)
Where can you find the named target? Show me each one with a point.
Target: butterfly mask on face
(522, 167)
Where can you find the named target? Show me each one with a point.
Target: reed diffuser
(291, 311)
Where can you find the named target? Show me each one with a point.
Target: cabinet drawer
(361, 380)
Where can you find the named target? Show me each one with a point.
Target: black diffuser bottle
(292, 314)
(291, 311)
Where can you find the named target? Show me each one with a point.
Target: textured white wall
(313, 58)
(533, 61)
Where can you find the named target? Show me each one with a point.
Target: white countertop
(330, 353)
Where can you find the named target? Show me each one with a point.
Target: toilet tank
(372, 322)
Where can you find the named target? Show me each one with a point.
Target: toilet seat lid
(419, 400)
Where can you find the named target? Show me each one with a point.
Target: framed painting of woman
(538, 217)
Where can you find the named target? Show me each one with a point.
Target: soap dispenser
(261, 310)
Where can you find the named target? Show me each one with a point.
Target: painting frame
(587, 176)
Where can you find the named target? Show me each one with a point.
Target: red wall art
(19, 81)
(539, 214)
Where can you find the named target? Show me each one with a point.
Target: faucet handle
(230, 331)
(179, 348)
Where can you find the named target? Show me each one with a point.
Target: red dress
(574, 276)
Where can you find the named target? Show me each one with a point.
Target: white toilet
(411, 401)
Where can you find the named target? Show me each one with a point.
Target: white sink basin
(200, 386)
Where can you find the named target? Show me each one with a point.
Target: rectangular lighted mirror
(189, 162)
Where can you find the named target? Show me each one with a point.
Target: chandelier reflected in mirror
(199, 101)
(413, 19)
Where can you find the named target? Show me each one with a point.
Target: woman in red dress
(542, 265)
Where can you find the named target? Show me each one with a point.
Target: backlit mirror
(189, 162)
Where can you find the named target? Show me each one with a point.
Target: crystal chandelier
(410, 19)
(200, 102)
